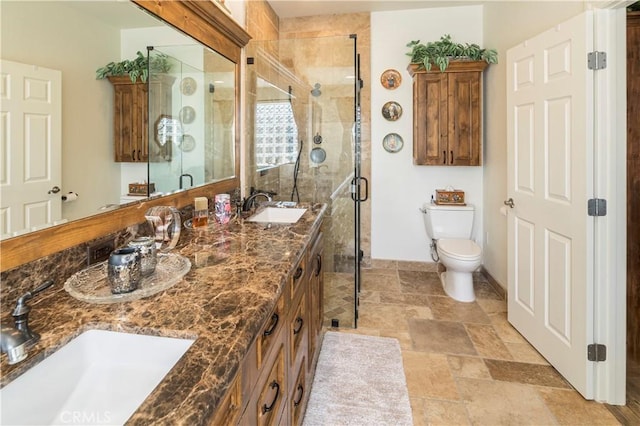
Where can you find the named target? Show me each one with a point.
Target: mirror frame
(205, 22)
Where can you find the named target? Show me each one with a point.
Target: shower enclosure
(303, 144)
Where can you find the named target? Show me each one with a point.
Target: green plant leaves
(136, 68)
(442, 51)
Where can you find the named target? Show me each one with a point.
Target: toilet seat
(459, 249)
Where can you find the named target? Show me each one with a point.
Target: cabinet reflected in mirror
(76, 38)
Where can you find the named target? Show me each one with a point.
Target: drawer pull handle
(266, 408)
(451, 157)
(444, 157)
(319, 264)
(301, 322)
(298, 273)
(300, 389)
(274, 324)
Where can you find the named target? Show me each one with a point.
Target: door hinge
(597, 60)
(597, 207)
(596, 352)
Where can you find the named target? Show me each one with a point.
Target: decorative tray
(91, 284)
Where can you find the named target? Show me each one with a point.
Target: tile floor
(464, 363)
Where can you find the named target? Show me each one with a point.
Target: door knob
(509, 203)
(54, 190)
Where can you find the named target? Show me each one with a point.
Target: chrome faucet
(21, 313)
(248, 202)
(13, 343)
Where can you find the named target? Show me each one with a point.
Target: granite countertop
(238, 272)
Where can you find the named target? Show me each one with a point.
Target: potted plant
(136, 68)
(444, 50)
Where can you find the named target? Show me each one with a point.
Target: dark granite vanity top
(238, 272)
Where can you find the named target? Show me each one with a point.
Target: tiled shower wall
(315, 184)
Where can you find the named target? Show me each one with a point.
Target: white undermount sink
(277, 215)
(98, 378)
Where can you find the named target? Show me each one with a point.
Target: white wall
(525, 19)
(42, 34)
(398, 187)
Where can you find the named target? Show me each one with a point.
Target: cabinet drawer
(229, 410)
(298, 397)
(298, 278)
(299, 329)
(273, 393)
(270, 330)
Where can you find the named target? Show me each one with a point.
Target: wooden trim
(210, 25)
(20, 250)
(205, 21)
(454, 66)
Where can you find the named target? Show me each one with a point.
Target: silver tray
(91, 284)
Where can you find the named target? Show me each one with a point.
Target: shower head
(316, 90)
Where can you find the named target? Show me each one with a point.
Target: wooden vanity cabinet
(447, 114)
(229, 410)
(131, 112)
(278, 370)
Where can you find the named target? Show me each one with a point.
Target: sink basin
(100, 377)
(277, 215)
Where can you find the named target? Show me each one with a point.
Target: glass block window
(276, 134)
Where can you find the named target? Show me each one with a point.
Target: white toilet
(450, 226)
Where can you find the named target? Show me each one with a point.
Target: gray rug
(359, 381)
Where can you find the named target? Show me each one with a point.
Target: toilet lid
(459, 249)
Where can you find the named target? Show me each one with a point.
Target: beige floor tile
(403, 298)
(492, 306)
(420, 282)
(500, 403)
(524, 352)
(418, 412)
(529, 374)
(417, 266)
(428, 376)
(446, 413)
(383, 264)
(484, 290)
(440, 337)
(383, 316)
(446, 309)
(403, 337)
(504, 329)
(469, 367)
(487, 342)
(380, 282)
(570, 408)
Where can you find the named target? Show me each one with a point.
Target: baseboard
(497, 287)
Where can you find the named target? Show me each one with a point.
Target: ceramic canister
(146, 247)
(123, 270)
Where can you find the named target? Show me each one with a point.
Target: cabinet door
(430, 119)
(130, 130)
(464, 117)
(316, 301)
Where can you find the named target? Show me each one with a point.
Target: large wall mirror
(73, 39)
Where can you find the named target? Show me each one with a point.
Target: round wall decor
(188, 86)
(187, 115)
(391, 79)
(391, 111)
(392, 143)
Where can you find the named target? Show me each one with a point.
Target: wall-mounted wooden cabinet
(447, 114)
(131, 112)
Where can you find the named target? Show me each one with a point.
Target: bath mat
(359, 381)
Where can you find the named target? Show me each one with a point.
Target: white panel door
(30, 147)
(550, 144)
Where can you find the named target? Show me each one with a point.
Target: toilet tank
(447, 221)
